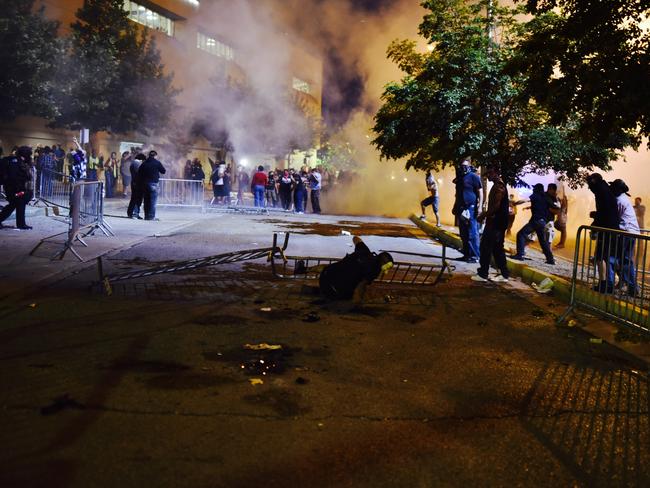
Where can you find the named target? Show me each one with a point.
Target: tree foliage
(30, 56)
(116, 79)
(460, 99)
(591, 58)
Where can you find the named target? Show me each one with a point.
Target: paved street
(161, 383)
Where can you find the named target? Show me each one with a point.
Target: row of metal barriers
(611, 276)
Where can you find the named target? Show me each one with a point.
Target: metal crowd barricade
(611, 276)
(54, 188)
(181, 193)
(86, 216)
(405, 273)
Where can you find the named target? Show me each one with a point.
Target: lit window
(153, 20)
(301, 85)
(214, 47)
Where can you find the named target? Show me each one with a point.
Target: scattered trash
(311, 317)
(544, 287)
(405, 381)
(262, 347)
(595, 340)
(572, 323)
(320, 425)
(32, 305)
(265, 309)
(61, 403)
(255, 381)
(538, 313)
(389, 298)
(482, 323)
(301, 381)
(345, 233)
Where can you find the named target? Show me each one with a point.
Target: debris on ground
(545, 286)
(346, 233)
(538, 313)
(262, 347)
(388, 298)
(61, 403)
(301, 381)
(595, 340)
(572, 323)
(32, 305)
(255, 381)
(265, 309)
(311, 317)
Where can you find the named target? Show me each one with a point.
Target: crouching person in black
(15, 176)
(348, 278)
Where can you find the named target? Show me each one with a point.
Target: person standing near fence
(149, 176)
(606, 216)
(639, 210)
(315, 179)
(78, 166)
(468, 197)
(133, 211)
(258, 185)
(46, 166)
(125, 173)
(624, 259)
(110, 171)
(286, 185)
(15, 175)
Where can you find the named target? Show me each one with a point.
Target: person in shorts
(433, 199)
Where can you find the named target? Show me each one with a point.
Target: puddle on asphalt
(252, 362)
(355, 228)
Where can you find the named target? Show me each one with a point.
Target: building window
(301, 85)
(153, 20)
(214, 47)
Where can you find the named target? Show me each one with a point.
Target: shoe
(500, 279)
(25, 227)
(138, 217)
(479, 278)
(517, 257)
(550, 261)
(423, 217)
(438, 225)
(604, 287)
(471, 260)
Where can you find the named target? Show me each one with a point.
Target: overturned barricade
(408, 273)
(611, 276)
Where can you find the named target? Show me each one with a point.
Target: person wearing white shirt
(623, 260)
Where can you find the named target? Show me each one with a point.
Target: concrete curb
(529, 275)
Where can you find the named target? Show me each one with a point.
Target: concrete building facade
(197, 44)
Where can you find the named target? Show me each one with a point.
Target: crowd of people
(483, 233)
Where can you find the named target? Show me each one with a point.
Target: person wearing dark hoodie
(539, 217)
(149, 176)
(14, 176)
(606, 217)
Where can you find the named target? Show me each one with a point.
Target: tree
(590, 58)
(459, 100)
(30, 55)
(116, 80)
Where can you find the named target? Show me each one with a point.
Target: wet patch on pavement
(353, 227)
(257, 362)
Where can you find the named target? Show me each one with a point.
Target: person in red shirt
(258, 184)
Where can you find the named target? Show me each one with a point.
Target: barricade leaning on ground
(86, 215)
(54, 188)
(181, 193)
(611, 276)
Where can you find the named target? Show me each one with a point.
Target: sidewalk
(20, 270)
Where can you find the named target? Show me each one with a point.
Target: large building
(199, 41)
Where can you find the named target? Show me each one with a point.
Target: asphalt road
(453, 385)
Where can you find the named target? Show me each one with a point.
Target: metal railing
(405, 273)
(181, 193)
(611, 276)
(54, 188)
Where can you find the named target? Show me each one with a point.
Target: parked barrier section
(180, 193)
(611, 276)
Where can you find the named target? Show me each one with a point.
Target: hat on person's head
(619, 186)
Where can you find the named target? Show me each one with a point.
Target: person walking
(433, 199)
(468, 188)
(494, 233)
(15, 175)
(258, 185)
(133, 211)
(315, 187)
(149, 176)
(271, 190)
(300, 191)
(540, 216)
